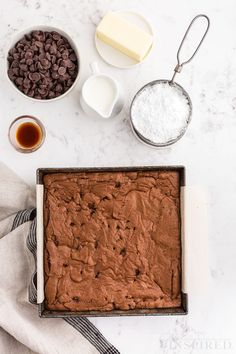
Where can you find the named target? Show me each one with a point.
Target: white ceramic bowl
(20, 35)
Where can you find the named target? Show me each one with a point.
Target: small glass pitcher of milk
(101, 95)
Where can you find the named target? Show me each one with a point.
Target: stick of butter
(124, 36)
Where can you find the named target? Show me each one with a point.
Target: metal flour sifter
(161, 110)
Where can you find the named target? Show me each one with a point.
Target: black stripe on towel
(32, 245)
(92, 334)
(81, 324)
(22, 217)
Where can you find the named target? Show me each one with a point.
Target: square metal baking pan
(43, 311)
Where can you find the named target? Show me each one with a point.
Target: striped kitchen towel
(21, 329)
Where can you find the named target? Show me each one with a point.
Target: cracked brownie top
(112, 240)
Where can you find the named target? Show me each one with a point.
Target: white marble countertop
(207, 150)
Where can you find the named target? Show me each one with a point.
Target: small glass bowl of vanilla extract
(26, 134)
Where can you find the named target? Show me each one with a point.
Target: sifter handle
(179, 65)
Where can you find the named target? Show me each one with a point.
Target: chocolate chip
(56, 36)
(16, 71)
(72, 73)
(69, 83)
(12, 51)
(47, 47)
(20, 45)
(91, 205)
(19, 81)
(72, 67)
(62, 49)
(60, 42)
(70, 64)
(73, 57)
(28, 37)
(65, 63)
(10, 59)
(23, 67)
(34, 77)
(53, 48)
(58, 88)
(123, 252)
(42, 92)
(38, 35)
(16, 56)
(15, 64)
(25, 90)
(105, 198)
(53, 59)
(26, 83)
(65, 54)
(48, 34)
(31, 93)
(39, 44)
(29, 54)
(49, 41)
(48, 56)
(39, 66)
(29, 61)
(43, 87)
(42, 51)
(55, 67)
(34, 48)
(63, 79)
(11, 74)
(51, 94)
(32, 68)
(62, 70)
(55, 75)
(44, 62)
(41, 57)
(76, 298)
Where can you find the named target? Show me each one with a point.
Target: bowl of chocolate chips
(43, 63)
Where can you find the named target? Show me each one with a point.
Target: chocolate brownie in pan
(112, 240)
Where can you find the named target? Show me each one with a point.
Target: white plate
(113, 56)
